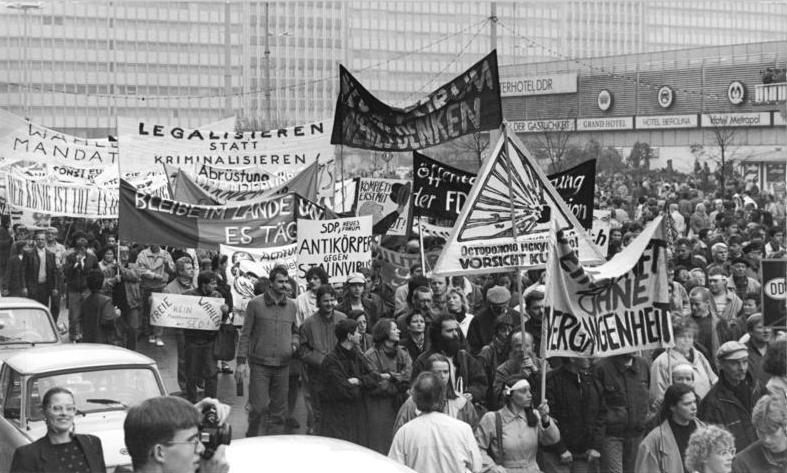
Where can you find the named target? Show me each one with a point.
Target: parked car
(25, 323)
(105, 380)
(306, 454)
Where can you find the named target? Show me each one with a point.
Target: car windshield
(97, 390)
(26, 325)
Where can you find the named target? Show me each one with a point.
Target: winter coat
(385, 400)
(756, 459)
(574, 403)
(658, 452)
(722, 407)
(269, 331)
(469, 373)
(661, 378)
(317, 339)
(345, 413)
(624, 395)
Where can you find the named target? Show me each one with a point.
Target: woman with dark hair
(509, 438)
(348, 378)
(49, 453)
(415, 341)
(394, 366)
(360, 316)
(664, 448)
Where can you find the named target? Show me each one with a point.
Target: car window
(97, 390)
(28, 325)
(12, 395)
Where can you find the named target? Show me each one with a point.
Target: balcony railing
(770, 93)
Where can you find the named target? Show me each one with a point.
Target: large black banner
(439, 190)
(576, 186)
(774, 291)
(468, 104)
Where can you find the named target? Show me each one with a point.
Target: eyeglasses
(195, 442)
(727, 451)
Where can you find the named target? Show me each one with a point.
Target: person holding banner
(156, 265)
(306, 302)
(14, 281)
(509, 438)
(78, 264)
(354, 300)
(199, 343)
(41, 271)
(183, 283)
(663, 449)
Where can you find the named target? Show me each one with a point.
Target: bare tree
(554, 145)
(724, 138)
(474, 145)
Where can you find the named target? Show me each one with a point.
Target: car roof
(64, 357)
(20, 303)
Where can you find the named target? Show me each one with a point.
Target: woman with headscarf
(509, 438)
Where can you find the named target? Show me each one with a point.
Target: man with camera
(168, 434)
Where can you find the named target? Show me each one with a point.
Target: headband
(521, 384)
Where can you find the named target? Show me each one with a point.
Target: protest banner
(387, 201)
(774, 291)
(188, 189)
(619, 307)
(341, 246)
(601, 228)
(467, 104)
(577, 187)
(65, 200)
(248, 265)
(30, 219)
(396, 266)
(227, 157)
(437, 231)
(152, 219)
(186, 312)
(439, 190)
(483, 238)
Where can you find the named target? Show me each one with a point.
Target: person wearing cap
(482, 327)
(354, 300)
(494, 353)
(509, 438)
(731, 399)
(757, 345)
(739, 281)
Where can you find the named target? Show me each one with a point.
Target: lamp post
(25, 8)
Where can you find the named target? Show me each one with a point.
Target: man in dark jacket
(268, 340)
(14, 281)
(730, 401)
(200, 363)
(355, 299)
(40, 271)
(574, 402)
(622, 382)
(78, 264)
(468, 374)
(482, 327)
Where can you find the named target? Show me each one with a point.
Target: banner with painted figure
(483, 238)
(774, 291)
(467, 104)
(439, 190)
(187, 312)
(187, 189)
(387, 201)
(341, 246)
(151, 219)
(248, 265)
(247, 158)
(577, 187)
(619, 307)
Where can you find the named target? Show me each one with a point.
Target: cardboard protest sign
(151, 219)
(482, 240)
(188, 312)
(577, 187)
(601, 228)
(619, 307)
(387, 201)
(248, 265)
(439, 190)
(227, 157)
(774, 291)
(341, 246)
(467, 104)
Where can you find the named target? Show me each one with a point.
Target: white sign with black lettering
(611, 123)
(189, 312)
(723, 120)
(546, 84)
(666, 121)
(538, 126)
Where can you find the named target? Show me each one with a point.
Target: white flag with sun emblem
(483, 238)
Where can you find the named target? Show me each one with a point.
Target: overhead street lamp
(25, 7)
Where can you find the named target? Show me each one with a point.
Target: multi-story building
(75, 65)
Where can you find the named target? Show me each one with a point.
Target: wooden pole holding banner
(421, 245)
(518, 279)
(341, 169)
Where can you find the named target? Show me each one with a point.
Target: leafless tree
(553, 145)
(724, 138)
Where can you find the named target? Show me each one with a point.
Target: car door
(11, 404)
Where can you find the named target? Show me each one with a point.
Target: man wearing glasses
(162, 435)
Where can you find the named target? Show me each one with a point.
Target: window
(12, 394)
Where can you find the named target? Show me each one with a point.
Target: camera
(211, 433)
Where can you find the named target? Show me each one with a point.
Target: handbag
(225, 343)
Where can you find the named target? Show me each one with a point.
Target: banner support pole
(341, 169)
(421, 245)
(518, 279)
